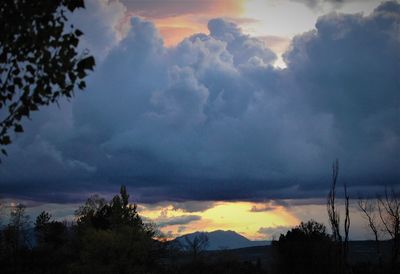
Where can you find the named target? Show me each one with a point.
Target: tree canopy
(307, 248)
(39, 59)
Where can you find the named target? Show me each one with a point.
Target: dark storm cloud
(211, 119)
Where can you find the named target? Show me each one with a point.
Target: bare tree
(334, 216)
(333, 213)
(196, 245)
(369, 209)
(19, 222)
(1, 213)
(389, 213)
(346, 224)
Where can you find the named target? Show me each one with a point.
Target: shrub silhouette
(306, 248)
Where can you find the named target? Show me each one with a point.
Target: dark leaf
(78, 32)
(5, 140)
(18, 128)
(86, 63)
(82, 85)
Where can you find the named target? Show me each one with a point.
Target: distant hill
(221, 239)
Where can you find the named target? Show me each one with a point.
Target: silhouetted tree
(102, 215)
(112, 237)
(196, 246)
(15, 239)
(306, 248)
(346, 227)
(334, 219)
(369, 209)
(51, 233)
(91, 213)
(389, 213)
(39, 62)
(333, 213)
(51, 250)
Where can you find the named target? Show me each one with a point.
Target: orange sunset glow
(176, 26)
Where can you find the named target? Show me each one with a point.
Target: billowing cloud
(212, 119)
(103, 25)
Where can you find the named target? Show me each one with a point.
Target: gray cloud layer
(211, 119)
(178, 220)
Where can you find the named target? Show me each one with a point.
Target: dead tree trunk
(334, 220)
(368, 208)
(389, 213)
(346, 228)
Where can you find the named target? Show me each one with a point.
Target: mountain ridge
(222, 239)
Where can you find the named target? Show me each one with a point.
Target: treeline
(107, 237)
(110, 237)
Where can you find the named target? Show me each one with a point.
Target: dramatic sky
(221, 114)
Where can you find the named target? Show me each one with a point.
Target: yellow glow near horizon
(235, 216)
(239, 217)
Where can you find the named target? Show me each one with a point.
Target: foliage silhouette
(39, 62)
(113, 237)
(306, 248)
(52, 248)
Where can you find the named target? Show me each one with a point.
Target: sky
(221, 114)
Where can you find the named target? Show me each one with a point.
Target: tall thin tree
(333, 213)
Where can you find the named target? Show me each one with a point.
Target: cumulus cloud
(211, 119)
(102, 22)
